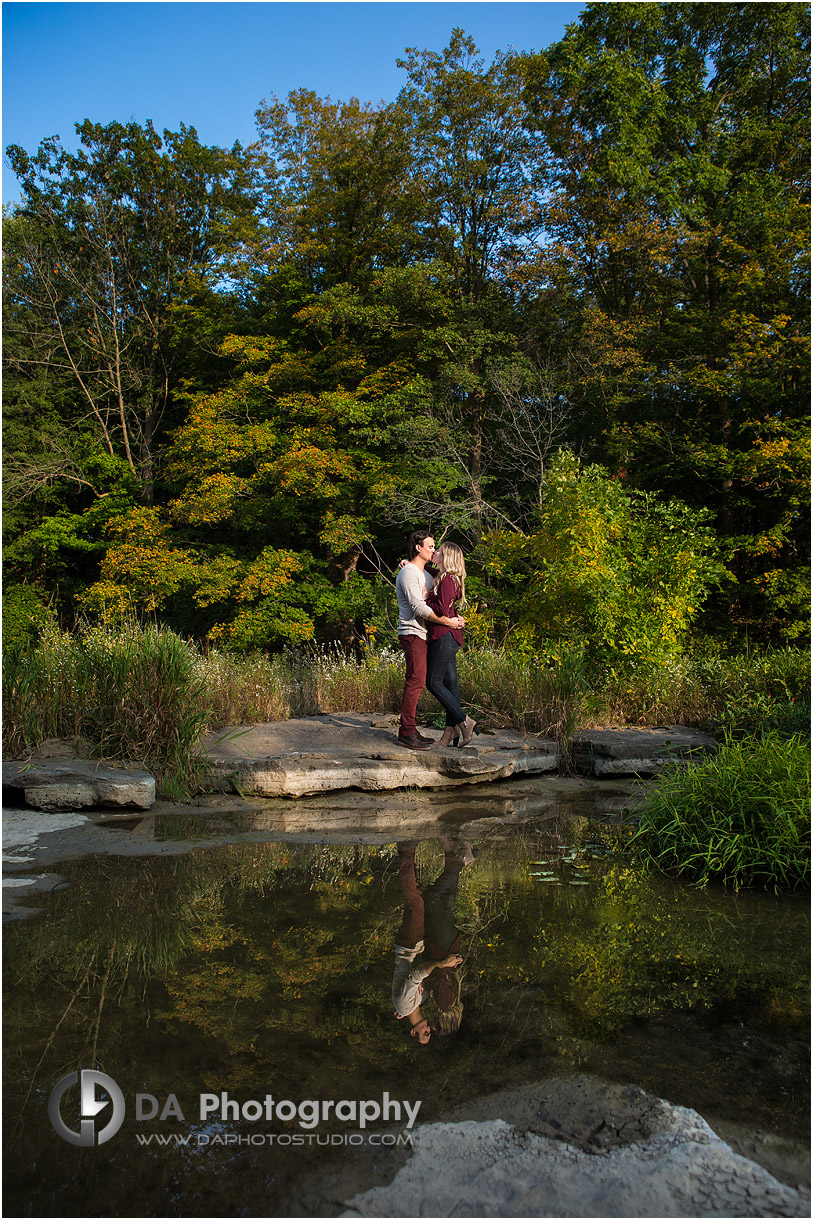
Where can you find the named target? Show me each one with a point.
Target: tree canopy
(554, 306)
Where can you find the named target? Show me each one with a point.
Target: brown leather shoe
(430, 741)
(413, 742)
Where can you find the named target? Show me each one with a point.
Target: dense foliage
(554, 306)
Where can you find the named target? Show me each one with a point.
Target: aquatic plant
(742, 817)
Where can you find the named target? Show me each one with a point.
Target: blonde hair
(445, 1021)
(452, 564)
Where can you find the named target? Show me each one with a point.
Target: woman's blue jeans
(441, 677)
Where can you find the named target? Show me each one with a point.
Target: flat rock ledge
(50, 784)
(326, 753)
(633, 751)
(637, 1156)
(330, 752)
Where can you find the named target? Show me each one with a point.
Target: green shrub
(25, 615)
(741, 817)
(620, 570)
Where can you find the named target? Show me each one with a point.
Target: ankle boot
(468, 728)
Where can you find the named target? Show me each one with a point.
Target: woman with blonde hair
(444, 644)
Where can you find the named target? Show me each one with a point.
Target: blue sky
(210, 64)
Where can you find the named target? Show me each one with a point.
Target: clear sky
(210, 64)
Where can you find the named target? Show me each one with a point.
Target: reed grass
(143, 693)
(511, 692)
(741, 817)
(240, 690)
(130, 693)
(746, 693)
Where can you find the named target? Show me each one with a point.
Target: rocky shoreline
(331, 753)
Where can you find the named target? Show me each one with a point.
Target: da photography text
(307, 1114)
(103, 1106)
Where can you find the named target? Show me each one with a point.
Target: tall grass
(745, 693)
(131, 693)
(511, 692)
(327, 679)
(43, 692)
(245, 689)
(143, 693)
(741, 817)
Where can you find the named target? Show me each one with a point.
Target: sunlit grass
(144, 694)
(742, 817)
(746, 693)
(129, 693)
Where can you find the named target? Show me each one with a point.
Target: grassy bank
(742, 817)
(142, 692)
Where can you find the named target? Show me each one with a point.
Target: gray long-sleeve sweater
(413, 611)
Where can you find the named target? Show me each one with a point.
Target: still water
(265, 969)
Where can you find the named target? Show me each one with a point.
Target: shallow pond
(261, 969)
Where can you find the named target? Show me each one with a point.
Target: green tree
(622, 574)
(480, 166)
(678, 231)
(341, 199)
(107, 240)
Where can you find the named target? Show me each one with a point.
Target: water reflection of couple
(429, 587)
(427, 945)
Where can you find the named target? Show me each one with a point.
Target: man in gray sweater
(411, 587)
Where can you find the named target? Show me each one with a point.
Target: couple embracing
(429, 587)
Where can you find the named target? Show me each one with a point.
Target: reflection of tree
(267, 962)
(627, 947)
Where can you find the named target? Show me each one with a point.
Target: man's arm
(413, 585)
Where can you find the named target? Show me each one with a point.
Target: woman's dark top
(442, 601)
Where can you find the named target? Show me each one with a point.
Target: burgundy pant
(415, 652)
(429, 913)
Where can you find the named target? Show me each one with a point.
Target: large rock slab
(615, 1151)
(325, 753)
(634, 751)
(330, 752)
(54, 784)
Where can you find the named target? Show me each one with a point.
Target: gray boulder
(54, 784)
